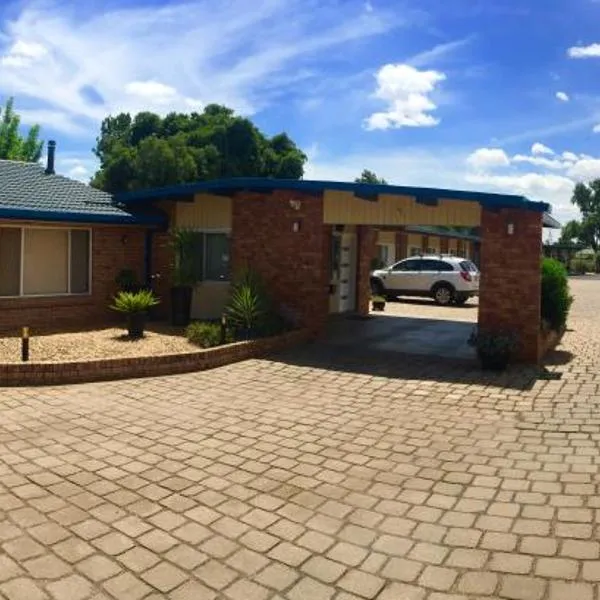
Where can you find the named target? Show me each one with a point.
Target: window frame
(22, 229)
(205, 232)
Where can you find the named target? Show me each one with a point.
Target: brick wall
(367, 250)
(510, 276)
(21, 374)
(294, 265)
(109, 255)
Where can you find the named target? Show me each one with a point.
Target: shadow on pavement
(397, 365)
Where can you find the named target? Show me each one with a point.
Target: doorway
(342, 297)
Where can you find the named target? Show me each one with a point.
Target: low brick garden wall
(39, 373)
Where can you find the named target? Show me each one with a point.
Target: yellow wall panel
(206, 212)
(343, 207)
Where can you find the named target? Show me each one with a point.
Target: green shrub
(206, 334)
(556, 299)
(248, 305)
(134, 302)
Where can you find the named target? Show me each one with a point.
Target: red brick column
(293, 264)
(510, 276)
(444, 246)
(367, 250)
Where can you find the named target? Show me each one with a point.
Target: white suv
(446, 279)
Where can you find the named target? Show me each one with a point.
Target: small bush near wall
(556, 299)
(207, 334)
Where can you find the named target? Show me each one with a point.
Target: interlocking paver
(383, 478)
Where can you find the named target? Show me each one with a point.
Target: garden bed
(159, 357)
(93, 344)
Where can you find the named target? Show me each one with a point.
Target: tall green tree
(369, 177)
(13, 145)
(572, 233)
(147, 150)
(586, 196)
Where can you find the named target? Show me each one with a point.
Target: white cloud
(150, 89)
(540, 161)
(596, 128)
(562, 96)
(585, 169)
(591, 51)
(570, 156)
(488, 158)
(83, 65)
(538, 148)
(406, 90)
(23, 54)
(438, 52)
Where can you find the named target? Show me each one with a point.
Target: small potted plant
(135, 305)
(183, 242)
(495, 349)
(378, 303)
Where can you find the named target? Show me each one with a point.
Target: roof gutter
(361, 190)
(23, 214)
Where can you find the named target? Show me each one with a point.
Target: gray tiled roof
(26, 188)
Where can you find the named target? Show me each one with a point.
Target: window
(408, 265)
(432, 251)
(444, 266)
(415, 251)
(467, 265)
(384, 255)
(211, 256)
(44, 261)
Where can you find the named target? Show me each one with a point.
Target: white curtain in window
(45, 261)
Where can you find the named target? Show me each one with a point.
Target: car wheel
(460, 300)
(443, 294)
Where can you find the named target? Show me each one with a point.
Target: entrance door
(347, 300)
(343, 272)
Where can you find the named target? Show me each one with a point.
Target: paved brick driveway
(381, 479)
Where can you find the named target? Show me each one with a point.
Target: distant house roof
(28, 193)
(366, 191)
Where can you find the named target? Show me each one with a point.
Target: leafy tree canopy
(369, 177)
(152, 151)
(586, 231)
(14, 146)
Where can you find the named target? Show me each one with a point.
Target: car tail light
(466, 276)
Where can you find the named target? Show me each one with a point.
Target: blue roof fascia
(362, 190)
(75, 217)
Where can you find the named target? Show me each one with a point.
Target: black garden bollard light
(223, 328)
(25, 344)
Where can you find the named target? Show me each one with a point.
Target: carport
(322, 234)
(313, 242)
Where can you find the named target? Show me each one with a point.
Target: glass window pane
(217, 257)
(198, 256)
(10, 261)
(80, 261)
(45, 258)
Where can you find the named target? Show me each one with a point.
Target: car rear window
(467, 265)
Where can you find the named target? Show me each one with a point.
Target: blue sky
(499, 95)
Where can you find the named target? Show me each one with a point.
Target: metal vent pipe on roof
(51, 155)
